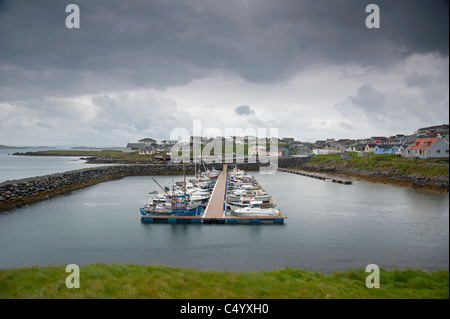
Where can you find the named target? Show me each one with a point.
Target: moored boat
(255, 209)
(246, 201)
(160, 210)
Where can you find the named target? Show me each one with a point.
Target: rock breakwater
(28, 190)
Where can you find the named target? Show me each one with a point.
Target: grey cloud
(418, 80)
(137, 45)
(369, 99)
(161, 43)
(346, 126)
(244, 110)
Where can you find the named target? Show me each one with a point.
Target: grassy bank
(103, 153)
(134, 281)
(389, 162)
(100, 156)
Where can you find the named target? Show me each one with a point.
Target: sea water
(329, 227)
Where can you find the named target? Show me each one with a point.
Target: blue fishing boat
(171, 205)
(186, 211)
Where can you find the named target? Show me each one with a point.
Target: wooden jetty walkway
(216, 204)
(317, 175)
(215, 210)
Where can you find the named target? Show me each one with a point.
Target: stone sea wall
(28, 190)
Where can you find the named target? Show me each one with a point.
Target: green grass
(135, 281)
(388, 162)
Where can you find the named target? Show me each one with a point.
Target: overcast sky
(135, 69)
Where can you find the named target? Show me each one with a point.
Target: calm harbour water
(330, 227)
(16, 167)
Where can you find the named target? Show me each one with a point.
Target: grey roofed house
(359, 147)
(384, 146)
(147, 141)
(287, 140)
(335, 147)
(370, 147)
(135, 146)
(131, 147)
(169, 142)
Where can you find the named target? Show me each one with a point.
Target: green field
(389, 162)
(134, 281)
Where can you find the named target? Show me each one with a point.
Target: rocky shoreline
(29, 190)
(437, 183)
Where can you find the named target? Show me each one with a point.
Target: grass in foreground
(134, 281)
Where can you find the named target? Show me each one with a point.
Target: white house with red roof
(428, 147)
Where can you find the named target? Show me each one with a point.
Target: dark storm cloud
(114, 72)
(159, 43)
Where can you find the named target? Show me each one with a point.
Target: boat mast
(173, 195)
(160, 186)
(184, 178)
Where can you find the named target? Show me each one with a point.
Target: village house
(335, 147)
(239, 139)
(133, 147)
(280, 152)
(428, 147)
(386, 149)
(432, 131)
(147, 150)
(356, 147)
(370, 147)
(169, 142)
(402, 149)
(346, 143)
(399, 139)
(144, 146)
(148, 141)
(377, 140)
(287, 140)
(166, 146)
(257, 150)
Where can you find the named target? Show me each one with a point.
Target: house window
(438, 151)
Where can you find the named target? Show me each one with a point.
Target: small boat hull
(256, 214)
(194, 211)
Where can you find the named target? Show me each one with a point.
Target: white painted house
(428, 147)
(257, 150)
